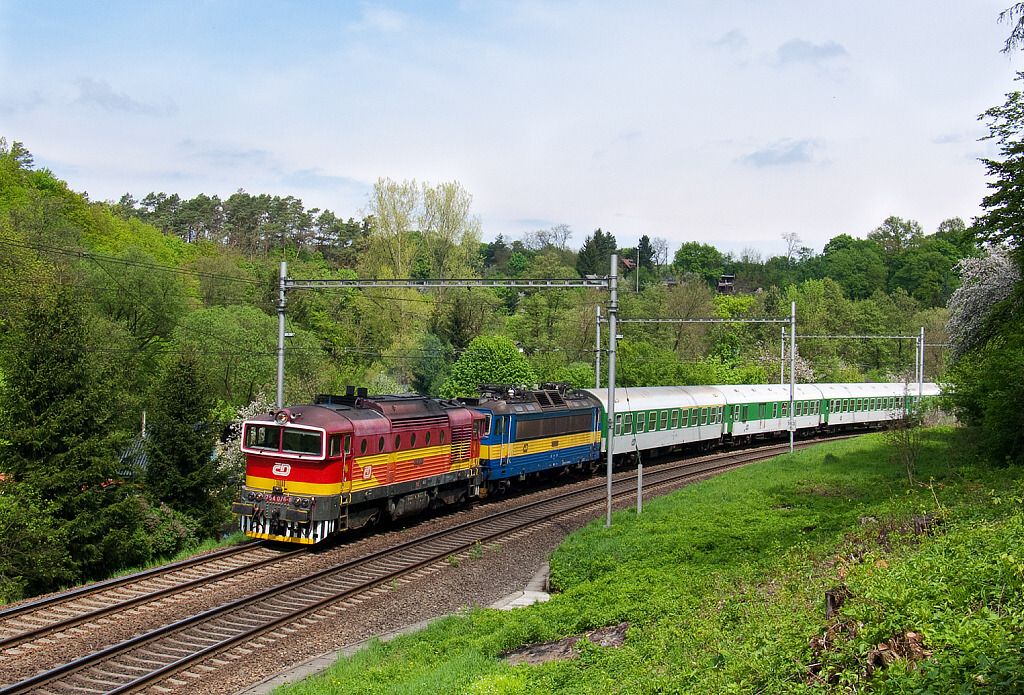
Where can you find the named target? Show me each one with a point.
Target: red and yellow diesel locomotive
(347, 461)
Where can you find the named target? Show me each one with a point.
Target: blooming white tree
(984, 282)
(227, 452)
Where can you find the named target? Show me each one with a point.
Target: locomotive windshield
(295, 441)
(263, 437)
(302, 442)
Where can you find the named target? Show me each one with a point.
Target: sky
(725, 122)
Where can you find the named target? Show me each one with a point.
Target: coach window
(785, 409)
(618, 425)
(652, 421)
(641, 419)
(362, 446)
(335, 445)
(664, 419)
(675, 418)
(628, 428)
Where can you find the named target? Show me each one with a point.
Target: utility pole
(637, 271)
(281, 303)
(920, 371)
(613, 311)
(597, 348)
(792, 372)
(782, 357)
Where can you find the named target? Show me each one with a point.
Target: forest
(134, 333)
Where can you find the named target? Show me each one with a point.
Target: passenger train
(347, 461)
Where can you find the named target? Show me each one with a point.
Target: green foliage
(1003, 220)
(490, 359)
(35, 557)
(236, 348)
(577, 374)
(60, 422)
(856, 264)
(702, 260)
(985, 387)
(180, 441)
(594, 257)
(431, 363)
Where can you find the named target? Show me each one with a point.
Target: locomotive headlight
(282, 417)
(305, 504)
(251, 495)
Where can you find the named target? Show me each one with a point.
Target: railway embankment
(821, 570)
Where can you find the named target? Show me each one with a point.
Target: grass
(723, 586)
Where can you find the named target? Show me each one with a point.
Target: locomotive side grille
(418, 423)
(462, 437)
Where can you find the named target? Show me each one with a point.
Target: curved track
(33, 620)
(218, 637)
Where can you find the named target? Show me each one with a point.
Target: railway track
(178, 653)
(33, 620)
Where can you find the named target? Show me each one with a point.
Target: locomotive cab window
(263, 437)
(301, 441)
(334, 445)
(487, 425)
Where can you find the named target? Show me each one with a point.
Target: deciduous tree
(489, 359)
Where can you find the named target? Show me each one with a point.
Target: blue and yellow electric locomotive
(532, 431)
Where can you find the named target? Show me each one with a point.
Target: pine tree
(593, 258)
(646, 252)
(59, 411)
(180, 471)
